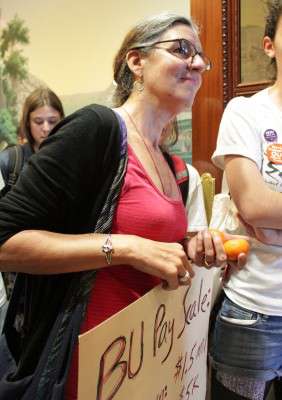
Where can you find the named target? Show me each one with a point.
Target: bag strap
(224, 184)
(16, 161)
(179, 167)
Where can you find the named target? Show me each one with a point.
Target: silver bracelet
(107, 249)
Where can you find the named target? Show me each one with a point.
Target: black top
(64, 188)
(69, 176)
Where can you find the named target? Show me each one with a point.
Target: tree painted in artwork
(13, 36)
(8, 131)
(13, 70)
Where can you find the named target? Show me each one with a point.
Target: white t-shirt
(252, 127)
(197, 220)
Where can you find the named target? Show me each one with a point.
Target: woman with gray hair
(99, 205)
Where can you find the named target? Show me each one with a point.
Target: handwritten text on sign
(154, 349)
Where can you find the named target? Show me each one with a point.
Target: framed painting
(246, 68)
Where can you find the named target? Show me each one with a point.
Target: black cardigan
(70, 174)
(64, 189)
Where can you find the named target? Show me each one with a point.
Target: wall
(72, 43)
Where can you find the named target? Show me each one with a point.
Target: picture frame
(246, 69)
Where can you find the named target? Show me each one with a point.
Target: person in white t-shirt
(246, 349)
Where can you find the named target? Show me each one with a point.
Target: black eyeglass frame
(190, 45)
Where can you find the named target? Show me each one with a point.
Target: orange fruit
(234, 247)
(217, 232)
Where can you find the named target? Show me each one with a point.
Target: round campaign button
(270, 135)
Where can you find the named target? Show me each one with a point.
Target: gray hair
(146, 32)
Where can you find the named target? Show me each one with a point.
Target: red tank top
(144, 211)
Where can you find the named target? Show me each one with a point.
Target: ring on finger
(207, 264)
(185, 278)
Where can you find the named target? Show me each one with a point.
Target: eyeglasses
(183, 49)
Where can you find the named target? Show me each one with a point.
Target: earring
(138, 85)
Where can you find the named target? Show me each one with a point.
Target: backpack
(15, 165)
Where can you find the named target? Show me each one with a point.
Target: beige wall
(253, 12)
(72, 43)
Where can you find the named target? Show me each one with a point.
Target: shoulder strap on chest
(16, 160)
(181, 172)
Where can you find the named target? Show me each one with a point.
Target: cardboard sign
(156, 348)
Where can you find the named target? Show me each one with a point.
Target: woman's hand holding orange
(216, 248)
(236, 248)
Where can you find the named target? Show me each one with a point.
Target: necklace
(146, 146)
